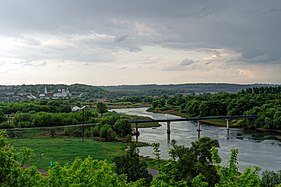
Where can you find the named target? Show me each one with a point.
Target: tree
(122, 127)
(101, 107)
(189, 162)
(132, 166)
(2, 117)
(270, 178)
(230, 176)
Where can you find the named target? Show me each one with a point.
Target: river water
(254, 148)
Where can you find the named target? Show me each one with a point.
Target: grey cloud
(187, 62)
(120, 38)
(252, 28)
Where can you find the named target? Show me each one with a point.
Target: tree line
(266, 105)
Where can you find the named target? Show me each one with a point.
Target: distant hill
(170, 89)
(88, 92)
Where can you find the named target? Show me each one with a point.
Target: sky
(121, 42)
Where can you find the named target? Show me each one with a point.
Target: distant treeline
(262, 90)
(174, 89)
(89, 93)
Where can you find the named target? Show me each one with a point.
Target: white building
(61, 93)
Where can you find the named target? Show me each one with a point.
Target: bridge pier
(137, 133)
(168, 127)
(198, 129)
(168, 131)
(227, 128)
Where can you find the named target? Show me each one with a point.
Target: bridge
(168, 121)
(198, 119)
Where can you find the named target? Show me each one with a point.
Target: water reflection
(255, 148)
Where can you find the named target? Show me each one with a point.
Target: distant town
(11, 95)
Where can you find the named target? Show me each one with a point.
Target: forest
(264, 102)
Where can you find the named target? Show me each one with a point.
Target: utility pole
(82, 133)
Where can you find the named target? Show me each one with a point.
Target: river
(254, 148)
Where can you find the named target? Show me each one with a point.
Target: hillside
(171, 89)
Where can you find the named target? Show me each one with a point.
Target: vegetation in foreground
(197, 165)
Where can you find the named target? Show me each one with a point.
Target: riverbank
(119, 105)
(216, 122)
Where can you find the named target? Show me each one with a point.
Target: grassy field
(66, 149)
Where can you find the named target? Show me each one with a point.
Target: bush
(122, 128)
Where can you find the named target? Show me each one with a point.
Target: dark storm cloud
(251, 28)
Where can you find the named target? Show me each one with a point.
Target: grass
(66, 149)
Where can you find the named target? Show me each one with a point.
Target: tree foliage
(230, 176)
(271, 178)
(101, 107)
(190, 165)
(122, 127)
(266, 104)
(132, 166)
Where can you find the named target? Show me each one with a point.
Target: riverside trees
(264, 102)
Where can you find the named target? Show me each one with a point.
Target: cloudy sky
(113, 42)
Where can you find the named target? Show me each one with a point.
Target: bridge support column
(198, 129)
(227, 128)
(168, 127)
(137, 133)
(168, 131)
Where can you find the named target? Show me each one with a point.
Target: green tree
(101, 107)
(271, 178)
(2, 117)
(132, 166)
(122, 127)
(230, 176)
(189, 162)
(106, 132)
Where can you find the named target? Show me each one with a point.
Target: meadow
(66, 149)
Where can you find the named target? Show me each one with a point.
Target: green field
(66, 149)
